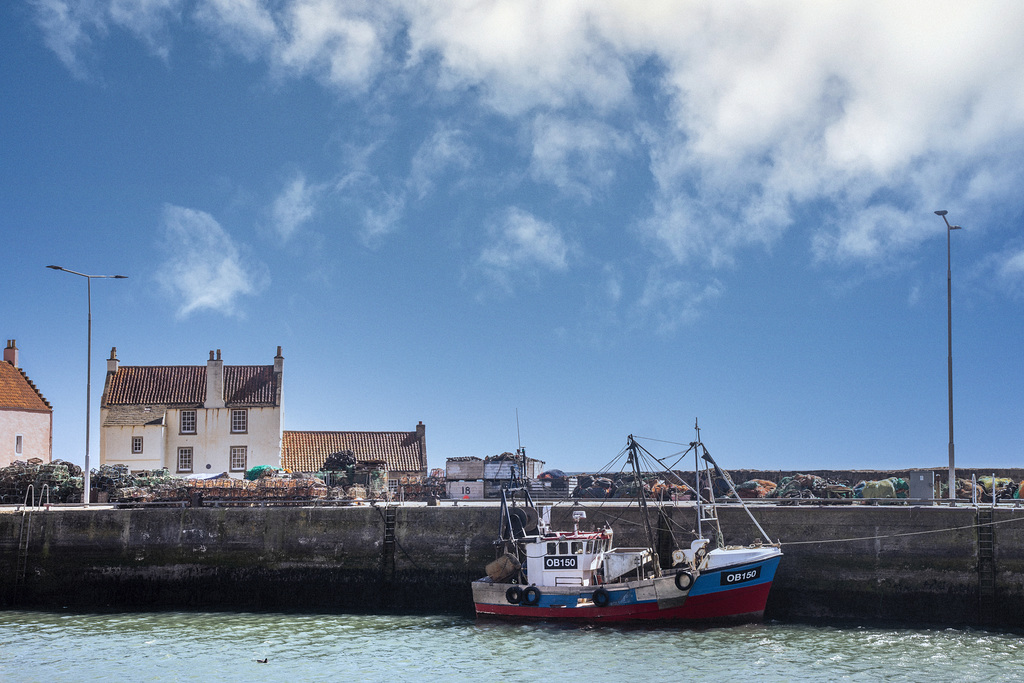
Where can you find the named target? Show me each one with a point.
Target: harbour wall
(903, 563)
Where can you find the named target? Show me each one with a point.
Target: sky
(543, 223)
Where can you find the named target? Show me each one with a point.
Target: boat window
(563, 548)
(577, 547)
(552, 548)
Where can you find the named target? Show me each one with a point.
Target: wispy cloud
(293, 207)
(381, 218)
(672, 301)
(1004, 270)
(578, 157)
(205, 269)
(445, 151)
(70, 27)
(522, 245)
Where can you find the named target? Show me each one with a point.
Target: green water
(183, 646)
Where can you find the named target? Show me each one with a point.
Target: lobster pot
(465, 490)
(464, 469)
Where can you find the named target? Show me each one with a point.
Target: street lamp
(88, 371)
(949, 330)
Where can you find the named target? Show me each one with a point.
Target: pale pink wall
(35, 432)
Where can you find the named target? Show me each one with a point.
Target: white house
(192, 419)
(26, 418)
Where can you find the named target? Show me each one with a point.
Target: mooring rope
(906, 533)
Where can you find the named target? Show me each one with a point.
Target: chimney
(214, 382)
(278, 375)
(421, 431)
(112, 362)
(11, 353)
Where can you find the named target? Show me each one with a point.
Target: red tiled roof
(186, 385)
(402, 451)
(17, 392)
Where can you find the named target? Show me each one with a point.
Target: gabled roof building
(192, 419)
(26, 417)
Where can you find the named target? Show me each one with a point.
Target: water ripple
(188, 646)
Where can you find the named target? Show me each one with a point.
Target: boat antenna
(518, 437)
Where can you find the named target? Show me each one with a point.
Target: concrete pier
(911, 564)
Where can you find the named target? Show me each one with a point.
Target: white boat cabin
(581, 559)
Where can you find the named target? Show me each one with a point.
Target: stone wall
(911, 564)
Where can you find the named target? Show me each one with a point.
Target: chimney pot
(11, 352)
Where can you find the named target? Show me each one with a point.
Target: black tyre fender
(531, 596)
(601, 597)
(684, 580)
(514, 595)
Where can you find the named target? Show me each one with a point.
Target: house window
(185, 459)
(239, 421)
(238, 458)
(188, 422)
(17, 444)
(136, 444)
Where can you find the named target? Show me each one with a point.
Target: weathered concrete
(912, 564)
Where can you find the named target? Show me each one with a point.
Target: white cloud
(520, 245)
(578, 157)
(246, 25)
(67, 28)
(71, 26)
(382, 218)
(341, 42)
(1009, 270)
(293, 207)
(446, 149)
(522, 54)
(672, 302)
(205, 269)
(749, 112)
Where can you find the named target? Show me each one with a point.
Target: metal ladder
(390, 518)
(986, 566)
(25, 535)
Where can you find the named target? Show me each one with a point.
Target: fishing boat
(580, 575)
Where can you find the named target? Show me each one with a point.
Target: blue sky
(609, 217)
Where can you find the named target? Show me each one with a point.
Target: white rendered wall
(35, 436)
(116, 446)
(211, 444)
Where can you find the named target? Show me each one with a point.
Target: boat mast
(696, 479)
(642, 501)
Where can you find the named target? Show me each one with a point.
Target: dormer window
(239, 421)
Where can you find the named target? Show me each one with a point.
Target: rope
(907, 533)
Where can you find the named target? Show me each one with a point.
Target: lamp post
(949, 338)
(88, 371)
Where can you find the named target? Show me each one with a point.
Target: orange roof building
(404, 453)
(26, 417)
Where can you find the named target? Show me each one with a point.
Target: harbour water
(190, 646)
